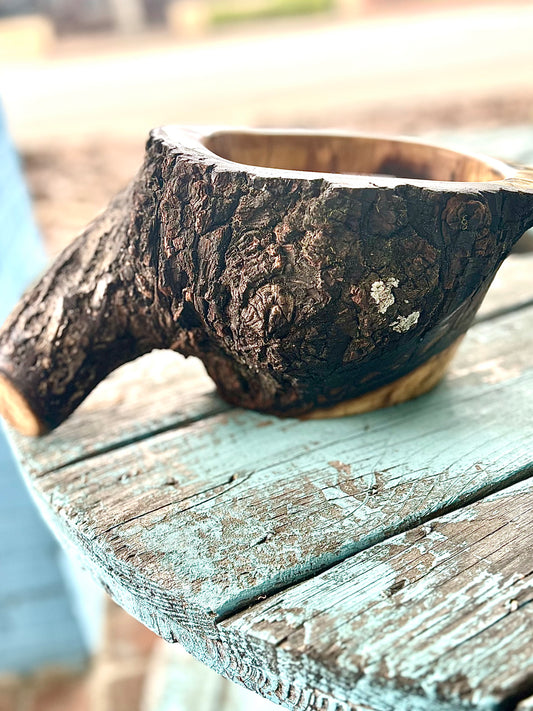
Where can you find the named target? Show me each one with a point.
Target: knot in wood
(464, 213)
(270, 311)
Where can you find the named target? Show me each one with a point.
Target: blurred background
(81, 84)
(83, 81)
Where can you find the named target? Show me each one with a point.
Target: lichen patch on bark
(404, 323)
(381, 293)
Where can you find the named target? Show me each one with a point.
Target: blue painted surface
(22, 256)
(38, 625)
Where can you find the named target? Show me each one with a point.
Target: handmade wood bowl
(313, 273)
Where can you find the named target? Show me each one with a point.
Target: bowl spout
(518, 214)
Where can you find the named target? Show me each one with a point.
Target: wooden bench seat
(381, 561)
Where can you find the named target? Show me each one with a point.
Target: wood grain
(416, 383)
(439, 617)
(231, 522)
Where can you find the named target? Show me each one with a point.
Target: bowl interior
(356, 155)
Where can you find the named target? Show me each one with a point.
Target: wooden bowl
(313, 273)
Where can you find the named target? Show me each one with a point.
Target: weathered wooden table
(382, 561)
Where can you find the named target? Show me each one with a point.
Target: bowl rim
(193, 140)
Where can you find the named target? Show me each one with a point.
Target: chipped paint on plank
(435, 627)
(262, 527)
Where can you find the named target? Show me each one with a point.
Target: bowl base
(416, 383)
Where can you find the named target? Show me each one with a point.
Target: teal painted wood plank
(185, 527)
(439, 617)
(213, 515)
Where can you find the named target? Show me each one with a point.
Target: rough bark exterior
(295, 292)
(77, 324)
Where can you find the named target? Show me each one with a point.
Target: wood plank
(465, 578)
(213, 515)
(231, 529)
(438, 617)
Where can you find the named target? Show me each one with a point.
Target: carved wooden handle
(80, 322)
(298, 288)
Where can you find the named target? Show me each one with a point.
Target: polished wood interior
(355, 155)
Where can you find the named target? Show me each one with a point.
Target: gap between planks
(136, 439)
(410, 525)
(485, 549)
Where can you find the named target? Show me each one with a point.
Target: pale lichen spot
(381, 293)
(404, 323)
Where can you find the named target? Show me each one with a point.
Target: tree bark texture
(297, 290)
